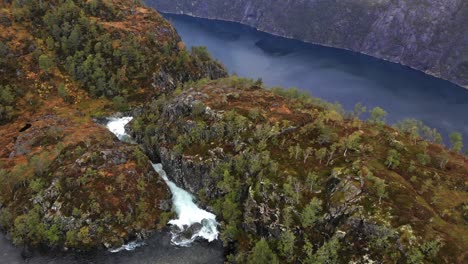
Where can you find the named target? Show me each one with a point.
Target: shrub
(393, 159)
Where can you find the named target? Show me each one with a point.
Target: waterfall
(117, 127)
(188, 214)
(192, 222)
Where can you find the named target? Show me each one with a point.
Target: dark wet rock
(26, 127)
(179, 168)
(163, 81)
(27, 252)
(191, 230)
(4, 20)
(165, 205)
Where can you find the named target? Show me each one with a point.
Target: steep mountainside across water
(66, 181)
(428, 35)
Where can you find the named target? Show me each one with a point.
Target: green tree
(7, 100)
(410, 126)
(7, 96)
(201, 53)
(423, 158)
(359, 109)
(378, 116)
(326, 254)
(311, 213)
(393, 159)
(262, 254)
(286, 244)
(52, 235)
(352, 142)
(28, 227)
(292, 188)
(378, 186)
(62, 92)
(320, 154)
(45, 62)
(120, 103)
(456, 140)
(312, 181)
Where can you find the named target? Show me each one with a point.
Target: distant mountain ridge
(427, 35)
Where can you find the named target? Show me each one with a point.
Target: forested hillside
(66, 180)
(295, 179)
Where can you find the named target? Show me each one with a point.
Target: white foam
(117, 126)
(188, 213)
(128, 247)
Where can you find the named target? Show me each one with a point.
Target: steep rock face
(428, 35)
(187, 171)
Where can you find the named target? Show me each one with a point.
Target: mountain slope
(427, 35)
(66, 181)
(291, 178)
(294, 179)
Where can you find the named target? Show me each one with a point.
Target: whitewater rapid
(116, 125)
(189, 215)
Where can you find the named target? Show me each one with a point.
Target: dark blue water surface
(331, 74)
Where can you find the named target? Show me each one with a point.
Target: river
(331, 74)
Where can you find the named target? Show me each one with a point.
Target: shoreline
(157, 246)
(305, 42)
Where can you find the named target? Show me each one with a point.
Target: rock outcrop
(427, 35)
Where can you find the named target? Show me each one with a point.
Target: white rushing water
(117, 126)
(128, 247)
(188, 213)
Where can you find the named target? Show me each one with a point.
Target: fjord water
(331, 74)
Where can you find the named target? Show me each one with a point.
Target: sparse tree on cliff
(378, 116)
(456, 140)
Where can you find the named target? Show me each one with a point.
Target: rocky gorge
(426, 35)
(68, 182)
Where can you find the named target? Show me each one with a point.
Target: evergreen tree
(286, 244)
(262, 254)
(311, 213)
(378, 116)
(45, 62)
(456, 140)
